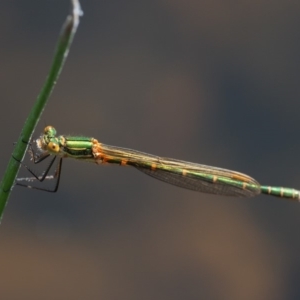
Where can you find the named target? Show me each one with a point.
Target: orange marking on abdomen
(104, 159)
(109, 159)
(184, 172)
(124, 162)
(153, 167)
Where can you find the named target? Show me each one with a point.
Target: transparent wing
(184, 174)
(202, 184)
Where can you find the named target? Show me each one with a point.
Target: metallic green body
(184, 174)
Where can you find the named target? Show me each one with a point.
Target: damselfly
(184, 174)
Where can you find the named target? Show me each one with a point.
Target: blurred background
(213, 82)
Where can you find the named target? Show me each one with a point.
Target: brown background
(214, 82)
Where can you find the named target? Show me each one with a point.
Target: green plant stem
(62, 49)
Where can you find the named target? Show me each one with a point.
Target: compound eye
(50, 131)
(53, 147)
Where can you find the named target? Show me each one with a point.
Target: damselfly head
(48, 140)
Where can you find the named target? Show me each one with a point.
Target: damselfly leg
(38, 158)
